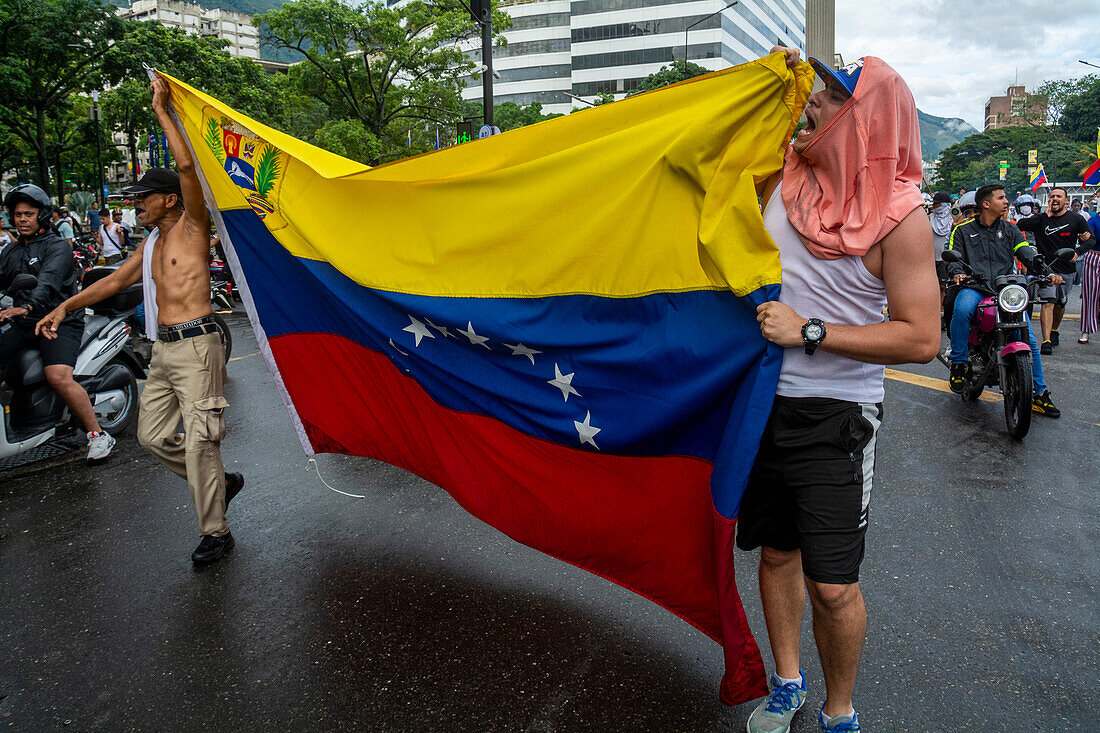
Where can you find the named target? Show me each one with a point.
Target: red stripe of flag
(1092, 175)
(645, 522)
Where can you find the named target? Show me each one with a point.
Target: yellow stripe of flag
(653, 193)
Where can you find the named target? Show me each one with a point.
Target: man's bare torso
(181, 271)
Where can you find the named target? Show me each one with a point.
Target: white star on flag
(418, 329)
(442, 329)
(586, 431)
(398, 350)
(521, 350)
(474, 338)
(564, 382)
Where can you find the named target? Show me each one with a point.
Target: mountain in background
(939, 133)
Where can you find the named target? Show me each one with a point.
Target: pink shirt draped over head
(860, 175)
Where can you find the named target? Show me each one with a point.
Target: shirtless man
(187, 371)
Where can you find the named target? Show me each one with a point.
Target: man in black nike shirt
(1056, 228)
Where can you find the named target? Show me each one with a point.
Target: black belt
(182, 331)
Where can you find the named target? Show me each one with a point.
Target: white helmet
(1025, 204)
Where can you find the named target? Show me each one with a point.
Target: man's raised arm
(195, 215)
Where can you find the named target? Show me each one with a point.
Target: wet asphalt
(400, 612)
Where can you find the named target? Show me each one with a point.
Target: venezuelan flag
(557, 324)
(1039, 178)
(1092, 173)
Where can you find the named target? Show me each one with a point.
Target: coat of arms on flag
(256, 173)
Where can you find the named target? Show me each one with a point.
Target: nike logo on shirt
(1051, 230)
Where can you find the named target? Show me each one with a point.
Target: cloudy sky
(956, 54)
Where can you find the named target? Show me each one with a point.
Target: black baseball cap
(941, 197)
(155, 180)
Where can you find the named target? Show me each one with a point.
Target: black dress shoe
(212, 548)
(234, 482)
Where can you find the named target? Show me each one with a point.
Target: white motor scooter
(106, 368)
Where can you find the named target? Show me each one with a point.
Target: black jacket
(990, 251)
(49, 258)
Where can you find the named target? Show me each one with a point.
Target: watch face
(814, 332)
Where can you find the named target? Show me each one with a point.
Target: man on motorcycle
(187, 371)
(41, 252)
(988, 244)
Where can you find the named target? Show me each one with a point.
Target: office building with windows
(558, 48)
(231, 26)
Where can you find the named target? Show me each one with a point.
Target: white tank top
(836, 291)
(149, 287)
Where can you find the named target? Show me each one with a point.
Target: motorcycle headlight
(1013, 298)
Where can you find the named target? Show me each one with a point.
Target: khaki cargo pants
(185, 383)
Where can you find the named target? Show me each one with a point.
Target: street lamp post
(98, 149)
(482, 10)
(716, 12)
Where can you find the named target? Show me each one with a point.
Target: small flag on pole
(1039, 178)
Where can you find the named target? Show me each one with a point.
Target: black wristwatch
(813, 333)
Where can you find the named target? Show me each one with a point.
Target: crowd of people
(988, 230)
(807, 500)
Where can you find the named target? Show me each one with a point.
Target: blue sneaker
(776, 712)
(841, 723)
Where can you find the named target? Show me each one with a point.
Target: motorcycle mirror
(1026, 253)
(950, 255)
(23, 281)
(1065, 254)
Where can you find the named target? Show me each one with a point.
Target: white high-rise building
(229, 25)
(589, 47)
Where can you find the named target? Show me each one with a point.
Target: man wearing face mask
(848, 218)
(1056, 228)
(941, 221)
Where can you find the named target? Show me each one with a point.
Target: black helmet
(34, 196)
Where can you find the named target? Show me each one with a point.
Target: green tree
(394, 70)
(1081, 116)
(510, 116)
(974, 161)
(674, 73)
(49, 49)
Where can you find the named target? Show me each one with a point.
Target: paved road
(399, 612)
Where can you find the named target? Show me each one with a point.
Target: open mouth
(810, 127)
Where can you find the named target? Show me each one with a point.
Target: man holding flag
(847, 215)
(187, 371)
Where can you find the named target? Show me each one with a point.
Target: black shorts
(810, 487)
(941, 271)
(61, 350)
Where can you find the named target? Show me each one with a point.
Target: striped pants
(1090, 291)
